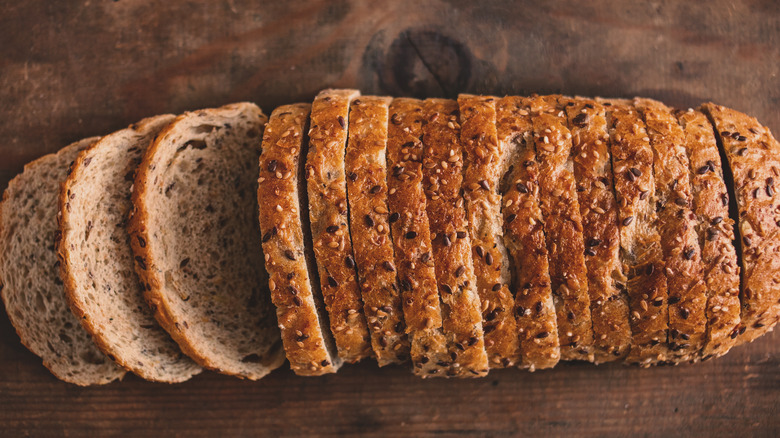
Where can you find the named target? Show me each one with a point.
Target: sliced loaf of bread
(97, 261)
(197, 243)
(33, 294)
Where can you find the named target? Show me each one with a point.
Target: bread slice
(412, 238)
(442, 171)
(366, 164)
(482, 155)
(677, 226)
(537, 325)
(753, 157)
(715, 231)
(328, 211)
(32, 291)
(289, 260)
(563, 227)
(640, 242)
(196, 240)
(97, 261)
(596, 195)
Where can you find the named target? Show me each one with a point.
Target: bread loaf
(466, 235)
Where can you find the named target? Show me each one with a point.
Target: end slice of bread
(196, 240)
(33, 294)
(97, 261)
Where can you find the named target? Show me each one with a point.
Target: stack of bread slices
(449, 236)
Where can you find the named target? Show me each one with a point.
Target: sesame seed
(496, 287)
(510, 218)
(289, 254)
(369, 221)
(488, 259)
(342, 123)
(446, 288)
(458, 272)
(674, 299)
(627, 221)
(394, 217)
(388, 266)
(411, 235)
(445, 240)
(461, 234)
(349, 261)
(522, 188)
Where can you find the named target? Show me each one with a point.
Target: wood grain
(72, 69)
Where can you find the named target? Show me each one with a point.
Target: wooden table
(71, 69)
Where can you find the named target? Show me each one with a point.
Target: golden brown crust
(754, 159)
(450, 238)
(412, 238)
(676, 224)
(283, 243)
(537, 325)
(483, 154)
(563, 228)
(368, 210)
(327, 190)
(595, 191)
(715, 231)
(640, 243)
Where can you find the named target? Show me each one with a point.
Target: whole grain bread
(443, 176)
(537, 326)
(595, 191)
(412, 238)
(328, 212)
(715, 230)
(753, 157)
(563, 227)
(196, 240)
(677, 226)
(281, 196)
(483, 157)
(97, 261)
(366, 164)
(33, 294)
(640, 243)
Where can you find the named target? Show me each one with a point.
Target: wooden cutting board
(72, 69)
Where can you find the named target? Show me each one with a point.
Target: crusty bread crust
(595, 191)
(196, 337)
(563, 228)
(640, 242)
(442, 168)
(304, 334)
(677, 226)
(483, 154)
(537, 325)
(328, 212)
(754, 159)
(412, 238)
(120, 323)
(715, 230)
(366, 166)
(39, 311)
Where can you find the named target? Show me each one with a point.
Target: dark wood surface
(71, 69)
